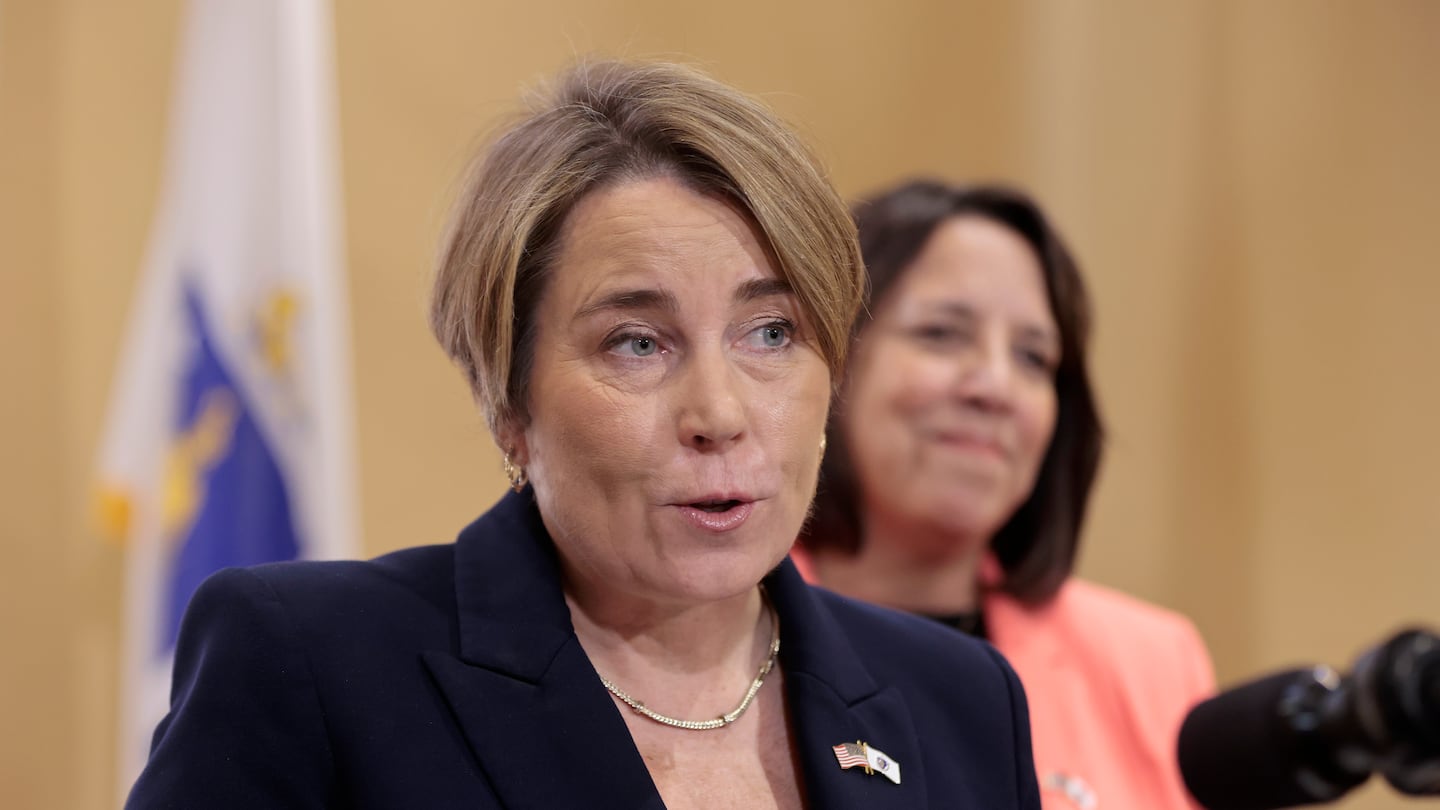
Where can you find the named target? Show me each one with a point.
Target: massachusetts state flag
(229, 436)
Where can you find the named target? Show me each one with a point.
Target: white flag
(229, 436)
(883, 764)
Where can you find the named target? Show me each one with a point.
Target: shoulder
(297, 647)
(323, 603)
(1128, 627)
(1082, 604)
(423, 570)
(1107, 635)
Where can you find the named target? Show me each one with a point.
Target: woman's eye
(1036, 360)
(1038, 363)
(772, 335)
(635, 345)
(939, 334)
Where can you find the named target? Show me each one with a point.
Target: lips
(971, 441)
(717, 513)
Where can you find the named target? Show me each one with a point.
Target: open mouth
(719, 515)
(716, 507)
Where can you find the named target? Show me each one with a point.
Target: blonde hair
(605, 122)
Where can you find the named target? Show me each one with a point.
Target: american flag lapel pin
(860, 754)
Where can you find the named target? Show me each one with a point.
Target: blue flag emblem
(225, 501)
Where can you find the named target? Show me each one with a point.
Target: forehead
(661, 231)
(979, 262)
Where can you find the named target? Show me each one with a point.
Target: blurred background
(1252, 190)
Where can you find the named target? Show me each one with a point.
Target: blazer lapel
(832, 700)
(546, 733)
(526, 697)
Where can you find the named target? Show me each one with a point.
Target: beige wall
(1249, 186)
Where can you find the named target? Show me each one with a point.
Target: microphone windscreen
(1239, 752)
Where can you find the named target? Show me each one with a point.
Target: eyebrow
(762, 288)
(632, 300)
(649, 299)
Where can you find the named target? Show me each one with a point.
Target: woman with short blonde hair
(607, 122)
(649, 284)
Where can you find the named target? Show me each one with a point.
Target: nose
(711, 412)
(985, 377)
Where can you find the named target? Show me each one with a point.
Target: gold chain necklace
(724, 719)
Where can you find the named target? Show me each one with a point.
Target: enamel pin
(1073, 787)
(862, 755)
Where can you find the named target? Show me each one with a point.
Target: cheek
(794, 415)
(587, 435)
(878, 432)
(1037, 417)
(889, 393)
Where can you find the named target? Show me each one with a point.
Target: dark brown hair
(1037, 546)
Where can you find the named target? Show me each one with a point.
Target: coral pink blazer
(1109, 679)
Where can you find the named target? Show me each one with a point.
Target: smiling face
(676, 400)
(951, 402)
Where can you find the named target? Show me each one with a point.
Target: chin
(715, 575)
(967, 516)
(702, 587)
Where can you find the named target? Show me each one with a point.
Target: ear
(510, 437)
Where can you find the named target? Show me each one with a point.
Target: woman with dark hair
(961, 457)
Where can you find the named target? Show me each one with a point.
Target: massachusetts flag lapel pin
(862, 755)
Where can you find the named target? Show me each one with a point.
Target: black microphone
(1308, 736)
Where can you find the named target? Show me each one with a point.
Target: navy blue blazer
(450, 677)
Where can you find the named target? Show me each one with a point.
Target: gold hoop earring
(515, 473)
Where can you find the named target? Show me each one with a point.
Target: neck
(686, 661)
(686, 636)
(894, 569)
